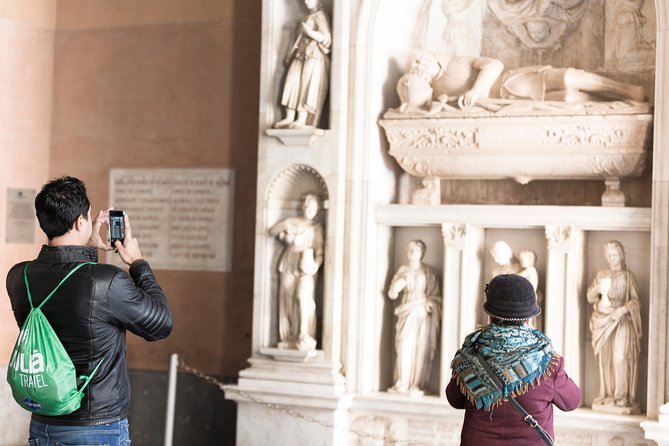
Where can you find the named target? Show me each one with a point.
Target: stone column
(564, 305)
(461, 289)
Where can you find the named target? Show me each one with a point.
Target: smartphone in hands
(116, 226)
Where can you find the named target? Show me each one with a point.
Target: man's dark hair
(58, 205)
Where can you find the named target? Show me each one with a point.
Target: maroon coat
(505, 426)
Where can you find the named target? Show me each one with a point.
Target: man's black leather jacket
(90, 313)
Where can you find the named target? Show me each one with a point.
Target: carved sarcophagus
(606, 141)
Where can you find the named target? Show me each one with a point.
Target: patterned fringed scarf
(520, 355)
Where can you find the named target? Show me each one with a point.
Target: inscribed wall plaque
(182, 218)
(20, 216)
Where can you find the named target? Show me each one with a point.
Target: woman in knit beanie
(524, 361)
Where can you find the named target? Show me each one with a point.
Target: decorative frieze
(594, 136)
(440, 138)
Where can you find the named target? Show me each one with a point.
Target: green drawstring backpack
(40, 373)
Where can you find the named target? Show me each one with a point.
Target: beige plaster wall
(26, 75)
(138, 84)
(34, 13)
(26, 80)
(89, 14)
(153, 84)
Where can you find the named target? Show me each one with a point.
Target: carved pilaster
(564, 304)
(461, 288)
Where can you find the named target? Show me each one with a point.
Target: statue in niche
(470, 81)
(616, 333)
(418, 319)
(506, 261)
(539, 23)
(298, 269)
(629, 44)
(527, 259)
(308, 61)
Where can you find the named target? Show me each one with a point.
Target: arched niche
(284, 198)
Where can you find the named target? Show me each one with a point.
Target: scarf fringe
(495, 399)
(506, 349)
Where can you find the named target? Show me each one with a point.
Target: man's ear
(79, 223)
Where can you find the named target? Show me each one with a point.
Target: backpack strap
(88, 378)
(25, 277)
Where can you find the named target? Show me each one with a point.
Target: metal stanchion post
(171, 398)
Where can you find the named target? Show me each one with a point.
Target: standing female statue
(616, 332)
(418, 318)
(298, 270)
(308, 60)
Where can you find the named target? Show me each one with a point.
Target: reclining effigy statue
(431, 85)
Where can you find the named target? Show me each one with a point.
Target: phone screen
(116, 227)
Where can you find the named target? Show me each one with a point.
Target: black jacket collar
(67, 254)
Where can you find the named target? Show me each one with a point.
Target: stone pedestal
(658, 431)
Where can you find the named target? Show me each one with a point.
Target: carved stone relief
(294, 182)
(574, 439)
(630, 35)
(539, 23)
(449, 26)
(580, 146)
(372, 430)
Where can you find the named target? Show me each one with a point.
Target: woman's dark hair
(505, 323)
(58, 205)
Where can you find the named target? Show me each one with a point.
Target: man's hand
(129, 249)
(96, 241)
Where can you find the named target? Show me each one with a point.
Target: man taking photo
(90, 313)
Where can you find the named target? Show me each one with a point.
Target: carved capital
(453, 233)
(559, 236)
